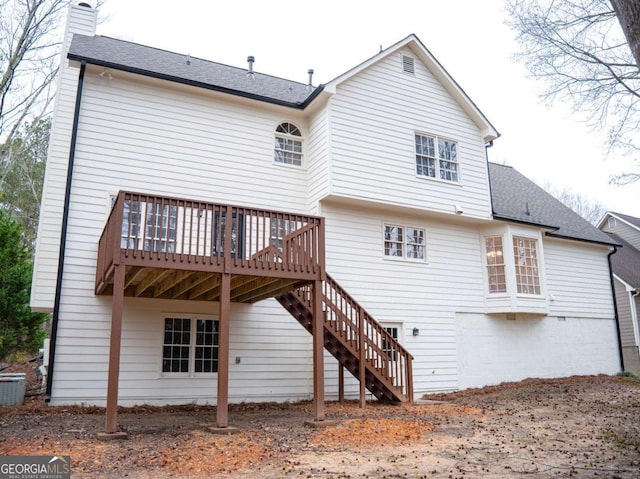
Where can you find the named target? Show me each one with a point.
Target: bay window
(512, 261)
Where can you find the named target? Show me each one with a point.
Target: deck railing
(158, 231)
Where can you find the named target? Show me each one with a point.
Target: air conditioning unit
(12, 387)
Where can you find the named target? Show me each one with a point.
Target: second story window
(288, 145)
(437, 158)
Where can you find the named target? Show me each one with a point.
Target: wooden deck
(177, 249)
(171, 248)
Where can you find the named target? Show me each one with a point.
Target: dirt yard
(584, 427)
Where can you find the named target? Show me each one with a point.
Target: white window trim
(301, 138)
(485, 266)
(404, 242)
(437, 177)
(191, 374)
(507, 233)
(395, 324)
(538, 243)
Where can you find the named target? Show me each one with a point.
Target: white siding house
(479, 275)
(625, 230)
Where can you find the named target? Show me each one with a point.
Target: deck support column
(340, 383)
(117, 306)
(362, 373)
(222, 408)
(318, 352)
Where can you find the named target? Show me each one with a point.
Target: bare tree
(576, 47)
(628, 12)
(30, 33)
(22, 190)
(29, 50)
(590, 209)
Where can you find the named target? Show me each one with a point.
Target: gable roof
(153, 62)
(630, 220)
(516, 198)
(157, 63)
(488, 131)
(626, 262)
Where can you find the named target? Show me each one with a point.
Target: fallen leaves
(581, 427)
(371, 432)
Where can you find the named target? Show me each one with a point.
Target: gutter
(63, 234)
(615, 306)
(486, 157)
(524, 222)
(584, 240)
(551, 234)
(207, 86)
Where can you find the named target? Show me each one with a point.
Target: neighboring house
(625, 230)
(194, 213)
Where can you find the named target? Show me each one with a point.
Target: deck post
(340, 383)
(318, 352)
(111, 423)
(222, 405)
(362, 373)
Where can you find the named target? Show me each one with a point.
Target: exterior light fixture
(416, 332)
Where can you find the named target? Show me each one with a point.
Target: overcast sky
(468, 37)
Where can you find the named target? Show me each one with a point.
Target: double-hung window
(190, 345)
(149, 226)
(281, 228)
(437, 158)
(160, 234)
(495, 264)
(404, 242)
(525, 254)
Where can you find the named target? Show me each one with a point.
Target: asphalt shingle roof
(132, 57)
(626, 261)
(515, 197)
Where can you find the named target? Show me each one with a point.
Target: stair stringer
(387, 364)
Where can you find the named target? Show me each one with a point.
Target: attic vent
(408, 65)
(611, 222)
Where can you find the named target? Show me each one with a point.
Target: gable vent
(408, 65)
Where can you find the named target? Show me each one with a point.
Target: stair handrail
(398, 369)
(301, 247)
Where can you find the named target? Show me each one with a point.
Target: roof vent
(250, 60)
(84, 4)
(408, 65)
(310, 72)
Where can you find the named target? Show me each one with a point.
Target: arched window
(288, 146)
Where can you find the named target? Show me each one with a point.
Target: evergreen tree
(20, 328)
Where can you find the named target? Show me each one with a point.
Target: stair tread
(344, 348)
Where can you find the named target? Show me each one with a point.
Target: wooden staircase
(356, 340)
